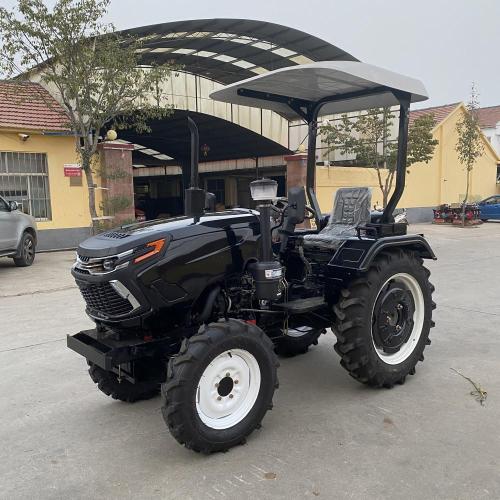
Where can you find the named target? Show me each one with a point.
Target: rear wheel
(384, 319)
(26, 251)
(220, 386)
(297, 340)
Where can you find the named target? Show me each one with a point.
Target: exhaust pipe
(195, 146)
(194, 197)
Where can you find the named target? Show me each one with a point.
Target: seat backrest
(351, 206)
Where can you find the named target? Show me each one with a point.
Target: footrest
(301, 306)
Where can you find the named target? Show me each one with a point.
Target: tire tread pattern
(108, 383)
(173, 396)
(350, 323)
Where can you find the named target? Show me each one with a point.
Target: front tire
(26, 251)
(297, 341)
(220, 386)
(384, 318)
(123, 390)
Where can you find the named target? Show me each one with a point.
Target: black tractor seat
(351, 209)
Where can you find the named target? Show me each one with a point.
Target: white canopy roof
(312, 82)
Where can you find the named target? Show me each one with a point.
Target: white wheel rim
(221, 404)
(418, 320)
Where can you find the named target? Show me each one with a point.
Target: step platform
(301, 306)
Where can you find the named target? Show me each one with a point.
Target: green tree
(368, 137)
(91, 70)
(470, 145)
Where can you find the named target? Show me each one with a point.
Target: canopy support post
(312, 123)
(404, 115)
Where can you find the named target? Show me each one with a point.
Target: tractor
(198, 307)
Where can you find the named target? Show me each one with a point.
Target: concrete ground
(327, 437)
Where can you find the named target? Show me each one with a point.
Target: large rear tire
(219, 386)
(383, 320)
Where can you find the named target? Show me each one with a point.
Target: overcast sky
(446, 43)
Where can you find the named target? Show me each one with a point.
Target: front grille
(104, 299)
(81, 271)
(116, 235)
(90, 265)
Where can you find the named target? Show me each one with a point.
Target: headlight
(109, 264)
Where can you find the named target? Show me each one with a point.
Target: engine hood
(124, 238)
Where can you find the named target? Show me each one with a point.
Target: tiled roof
(439, 112)
(489, 117)
(29, 106)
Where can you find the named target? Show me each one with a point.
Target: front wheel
(26, 251)
(220, 386)
(110, 384)
(384, 318)
(297, 341)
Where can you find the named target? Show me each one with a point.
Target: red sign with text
(72, 171)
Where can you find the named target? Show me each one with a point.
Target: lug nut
(231, 396)
(219, 398)
(217, 384)
(227, 374)
(236, 381)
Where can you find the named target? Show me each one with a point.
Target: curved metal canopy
(171, 138)
(344, 86)
(229, 50)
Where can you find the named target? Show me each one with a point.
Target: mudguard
(357, 254)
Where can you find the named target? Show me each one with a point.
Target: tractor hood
(127, 237)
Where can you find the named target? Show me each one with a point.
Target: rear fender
(358, 254)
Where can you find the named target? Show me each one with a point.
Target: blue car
(490, 208)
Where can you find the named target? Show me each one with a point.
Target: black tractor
(198, 306)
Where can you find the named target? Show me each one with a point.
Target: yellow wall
(69, 204)
(442, 180)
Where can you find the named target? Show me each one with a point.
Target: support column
(118, 180)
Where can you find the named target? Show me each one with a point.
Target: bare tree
(469, 146)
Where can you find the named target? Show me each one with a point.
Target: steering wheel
(311, 213)
(281, 205)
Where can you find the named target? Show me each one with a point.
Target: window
(4, 207)
(217, 187)
(494, 200)
(24, 178)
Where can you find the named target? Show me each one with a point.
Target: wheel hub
(228, 388)
(225, 386)
(28, 249)
(393, 317)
